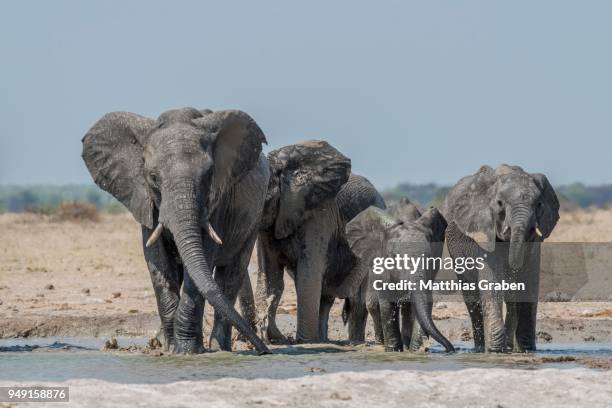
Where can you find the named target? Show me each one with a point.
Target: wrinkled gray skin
(366, 301)
(187, 170)
(302, 232)
(356, 195)
(516, 210)
(375, 233)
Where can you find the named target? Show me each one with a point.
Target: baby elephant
(375, 234)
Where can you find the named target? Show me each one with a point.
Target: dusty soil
(90, 279)
(522, 388)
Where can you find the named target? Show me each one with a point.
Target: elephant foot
(273, 335)
(478, 348)
(303, 339)
(188, 346)
(356, 342)
(165, 337)
(394, 349)
(523, 348)
(220, 343)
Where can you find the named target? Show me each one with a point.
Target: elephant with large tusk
(516, 211)
(196, 181)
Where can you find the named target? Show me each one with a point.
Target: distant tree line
(572, 195)
(45, 198)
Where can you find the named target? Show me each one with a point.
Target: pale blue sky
(411, 91)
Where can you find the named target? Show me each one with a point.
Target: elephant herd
(205, 195)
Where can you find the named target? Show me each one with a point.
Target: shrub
(76, 211)
(116, 208)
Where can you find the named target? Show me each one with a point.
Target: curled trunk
(422, 306)
(188, 237)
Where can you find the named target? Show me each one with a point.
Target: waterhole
(55, 359)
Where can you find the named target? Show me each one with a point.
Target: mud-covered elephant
(375, 234)
(196, 182)
(302, 232)
(357, 308)
(516, 211)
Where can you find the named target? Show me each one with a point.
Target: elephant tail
(346, 311)
(423, 315)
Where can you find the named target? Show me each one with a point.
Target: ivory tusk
(539, 232)
(213, 234)
(155, 236)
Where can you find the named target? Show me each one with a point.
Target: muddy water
(64, 359)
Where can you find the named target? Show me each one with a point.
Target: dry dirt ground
(522, 388)
(90, 279)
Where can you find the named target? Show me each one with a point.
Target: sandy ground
(542, 388)
(89, 279)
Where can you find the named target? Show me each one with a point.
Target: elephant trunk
(184, 223)
(422, 303)
(521, 221)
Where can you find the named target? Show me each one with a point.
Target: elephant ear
(435, 224)
(113, 154)
(467, 203)
(308, 174)
(330, 168)
(405, 210)
(365, 232)
(547, 212)
(237, 143)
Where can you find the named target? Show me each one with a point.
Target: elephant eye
(153, 178)
(499, 203)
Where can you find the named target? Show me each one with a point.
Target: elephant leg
(188, 320)
(389, 313)
(358, 316)
(527, 309)
(231, 279)
(166, 276)
(373, 308)
(406, 318)
(411, 331)
(511, 323)
(494, 329)
(247, 302)
(326, 304)
(270, 286)
(474, 307)
(525, 334)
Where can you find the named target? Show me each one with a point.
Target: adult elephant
(516, 210)
(196, 182)
(302, 232)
